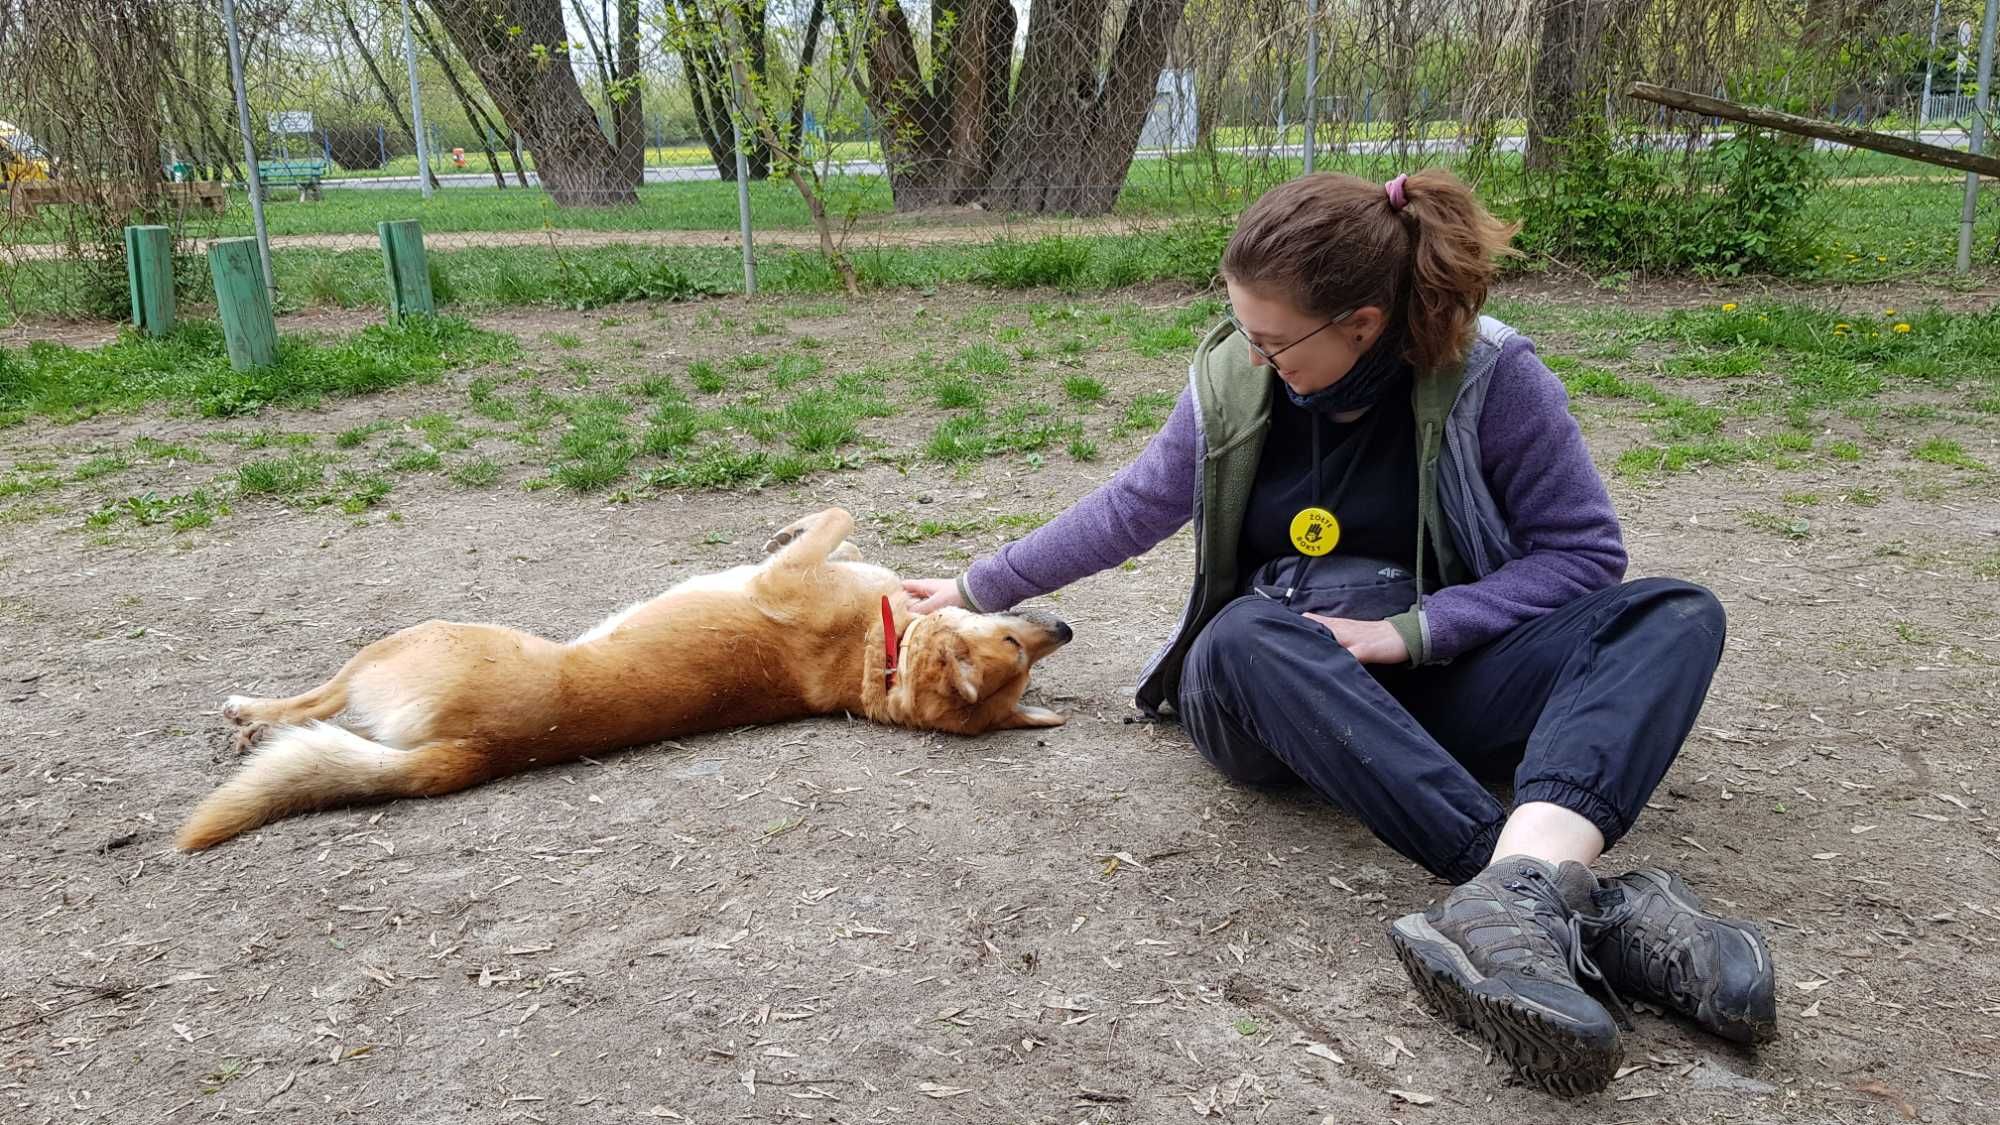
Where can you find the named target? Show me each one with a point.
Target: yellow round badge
(1315, 531)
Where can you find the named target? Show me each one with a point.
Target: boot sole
(1541, 1049)
(1757, 1019)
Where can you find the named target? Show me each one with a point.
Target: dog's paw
(785, 536)
(233, 708)
(246, 737)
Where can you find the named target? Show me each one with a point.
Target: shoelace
(1634, 949)
(1578, 932)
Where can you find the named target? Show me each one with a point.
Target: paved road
(1946, 138)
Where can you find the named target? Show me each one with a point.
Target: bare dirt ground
(830, 921)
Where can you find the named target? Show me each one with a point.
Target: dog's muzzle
(1049, 623)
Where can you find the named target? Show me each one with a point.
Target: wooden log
(149, 268)
(409, 270)
(245, 303)
(1821, 130)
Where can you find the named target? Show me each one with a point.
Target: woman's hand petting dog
(932, 594)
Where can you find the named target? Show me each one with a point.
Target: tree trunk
(1070, 140)
(1066, 139)
(796, 127)
(628, 118)
(1564, 72)
(709, 85)
(517, 47)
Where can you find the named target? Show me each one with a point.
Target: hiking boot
(1655, 941)
(1501, 955)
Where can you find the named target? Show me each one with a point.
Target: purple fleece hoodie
(1531, 452)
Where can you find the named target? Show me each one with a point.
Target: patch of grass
(820, 421)
(1146, 412)
(481, 472)
(351, 438)
(1083, 388)
(1082, 449)
(487, 404)
(705, 377)
(960, 439)
(714, 467)
(1863, 497)
(596, 450)
(1843, 451)
(983, 361)
(290, 475)
(27, 485)
(795, 369)
(1831, 380)
(367, 491)
(1682, 419)
(1719, 364)
(565, 340)
(191, 367)
(101, 466)
(672, 427)
(750, 361)
(1054, 261)
(417, 461)
(1944, 451)
(153, 449)
(184, 512)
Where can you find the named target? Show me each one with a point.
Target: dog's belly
(735, 580)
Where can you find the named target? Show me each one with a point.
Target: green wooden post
(149, 269)
(244, 301)
(409, 271)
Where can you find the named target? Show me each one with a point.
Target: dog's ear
(964, 674)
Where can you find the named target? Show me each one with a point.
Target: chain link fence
(584, 153)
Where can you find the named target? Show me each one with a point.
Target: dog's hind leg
(253, 717)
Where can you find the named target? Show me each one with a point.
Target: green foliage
(586, 286)
(1743, 205)
(192, 366)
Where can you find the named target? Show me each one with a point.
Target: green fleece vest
(1233, 411)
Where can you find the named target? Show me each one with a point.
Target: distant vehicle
(20, 157)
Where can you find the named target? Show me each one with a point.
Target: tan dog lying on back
(441, 706)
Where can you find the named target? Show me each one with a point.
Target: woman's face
(1310, 352)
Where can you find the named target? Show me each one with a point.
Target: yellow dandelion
(1729, 306)
(1901, 327)
(1888, 312)
(1880, 258)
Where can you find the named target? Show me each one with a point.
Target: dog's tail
(319, 765)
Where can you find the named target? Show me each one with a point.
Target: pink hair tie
(1397, 200)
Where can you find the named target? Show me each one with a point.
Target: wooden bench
(24, 196)
(302, 174)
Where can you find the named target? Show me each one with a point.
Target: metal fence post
(1981, 105)
(249, 150)
(417, 107)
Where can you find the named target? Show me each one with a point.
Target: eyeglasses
(1271, 357)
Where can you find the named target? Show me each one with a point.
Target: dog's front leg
(813, 540)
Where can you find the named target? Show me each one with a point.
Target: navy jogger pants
(1585, 708)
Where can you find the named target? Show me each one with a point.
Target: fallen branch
(1821, 130)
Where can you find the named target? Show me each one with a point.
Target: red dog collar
(888, 644)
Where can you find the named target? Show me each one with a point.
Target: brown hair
(1331, 242)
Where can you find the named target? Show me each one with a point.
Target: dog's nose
(1049, 622)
